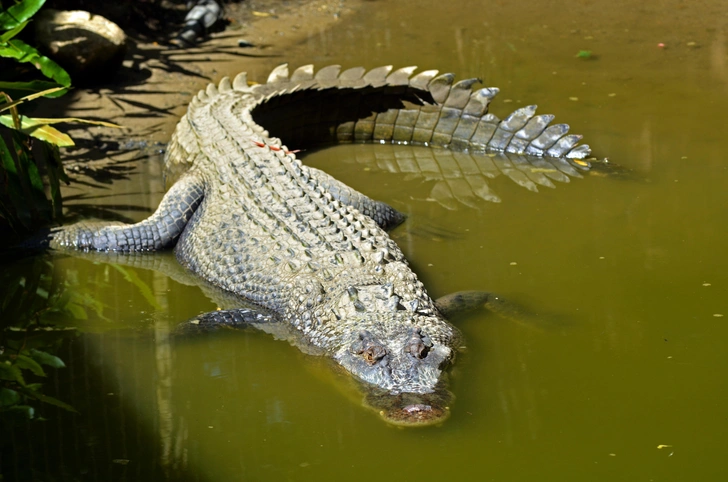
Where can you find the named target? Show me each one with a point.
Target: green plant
(30, 168)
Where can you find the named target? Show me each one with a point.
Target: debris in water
(584, 54)
(661, 45)
(663, 446)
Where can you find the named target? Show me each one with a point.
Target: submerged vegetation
(29, 336)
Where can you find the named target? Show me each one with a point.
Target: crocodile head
(402, 364)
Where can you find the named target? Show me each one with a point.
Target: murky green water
(632, 273)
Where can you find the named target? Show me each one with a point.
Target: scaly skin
(312, 253)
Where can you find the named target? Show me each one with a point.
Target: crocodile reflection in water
(308, 252)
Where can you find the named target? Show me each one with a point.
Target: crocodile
(308, 254)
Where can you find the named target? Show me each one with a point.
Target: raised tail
(382, 105)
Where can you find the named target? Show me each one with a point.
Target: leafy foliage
(30, 171)
(19, 13)
(27, 167)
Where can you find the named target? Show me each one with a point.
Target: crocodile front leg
(237, 318)
(158, 231)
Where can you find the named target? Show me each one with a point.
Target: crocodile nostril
(418, 349)
(419, 344)
(372, 354)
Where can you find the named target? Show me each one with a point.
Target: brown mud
(149, 94)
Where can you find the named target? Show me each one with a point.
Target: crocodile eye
(372, 354)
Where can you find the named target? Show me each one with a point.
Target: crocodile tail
(308, 108)
(383, 105)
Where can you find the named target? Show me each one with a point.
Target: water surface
(624, 379)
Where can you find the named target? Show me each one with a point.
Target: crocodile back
(269, 230)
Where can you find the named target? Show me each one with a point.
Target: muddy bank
(152, 90)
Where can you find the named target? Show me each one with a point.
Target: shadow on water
(626, 390)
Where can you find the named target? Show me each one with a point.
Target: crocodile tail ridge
(308, 106)
(435, 109)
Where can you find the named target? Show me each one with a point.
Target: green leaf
(28, 363)
(8, 397)
(11, 372)
(24, 53)
(12, 33)
(19, 13)
(19, 89)
(46, 399)
(86, 299)
(584, 54)
(27, 98)
(25, 411)
(55, 174)
(38, 130)
(18, 213)
(133, 278)
(77, 311)
(46, 358)
(59, 120)
(28, 170)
